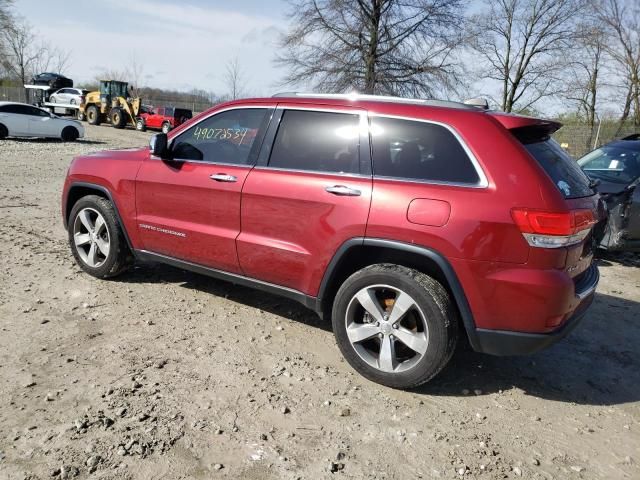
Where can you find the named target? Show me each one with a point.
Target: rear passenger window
(419, 151)
(226, 137)
(317, 141)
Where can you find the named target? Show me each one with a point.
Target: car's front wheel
(395, 325)
(3, 132)
(96, 238)
(70, 134)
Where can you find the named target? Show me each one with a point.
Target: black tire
(4, 132)
(52, 99)
(438, 314)
(166, 127)
(80, 116)
(140, 125)
(69, 134)
(117, 117)
(119, 258)
(93, 115)
(72, 101)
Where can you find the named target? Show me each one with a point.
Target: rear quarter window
(417, 150)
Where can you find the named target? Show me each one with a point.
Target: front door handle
(223, 177)
(344, 191)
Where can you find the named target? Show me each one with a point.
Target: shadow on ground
(55, 140)
(597, 364)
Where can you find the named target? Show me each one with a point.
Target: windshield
(612, 163)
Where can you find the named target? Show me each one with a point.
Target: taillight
(552, 229)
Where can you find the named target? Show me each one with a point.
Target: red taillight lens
(551, 229)
(551, 223)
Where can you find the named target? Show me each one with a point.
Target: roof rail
(384, 98)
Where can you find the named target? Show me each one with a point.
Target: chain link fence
(579, 139)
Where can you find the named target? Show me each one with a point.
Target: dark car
(54, 80)
(408, 223)
(616, 166)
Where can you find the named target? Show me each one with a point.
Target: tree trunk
(371, 60)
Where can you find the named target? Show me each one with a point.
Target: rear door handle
(223, 177)
(344, 191)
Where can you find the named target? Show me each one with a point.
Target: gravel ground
(163, 373)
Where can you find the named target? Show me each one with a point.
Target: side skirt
(306, 300)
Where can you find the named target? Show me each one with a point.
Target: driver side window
(232, 137)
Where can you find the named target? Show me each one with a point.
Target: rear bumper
(505, 342)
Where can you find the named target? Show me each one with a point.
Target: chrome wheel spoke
(86, 220)
(358, 332)
(103, 246)
(370, 303)
(387, 356)
(82, 239)
(99, 225)
(92, 256)
(416, 341)
(403, 303)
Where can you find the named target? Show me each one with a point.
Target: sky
(181, 44)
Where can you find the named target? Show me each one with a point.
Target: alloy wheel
(387, 328)
(91, 237)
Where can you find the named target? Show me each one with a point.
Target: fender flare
(459, 296)
(107, 192)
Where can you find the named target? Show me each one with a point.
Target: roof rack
(473, 105)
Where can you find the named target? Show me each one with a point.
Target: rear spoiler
(527, 129)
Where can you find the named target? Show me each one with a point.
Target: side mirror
(158, 146)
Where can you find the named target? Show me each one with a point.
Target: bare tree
(234, 78)
(135, 72)
(622, 20)
(524, 45)
(20, 54)
(51, 59)
(393, 47)
(584, 85)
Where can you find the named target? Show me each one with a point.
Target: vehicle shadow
(626, 259)
(597, 364)
(55, 140)
(274, 304)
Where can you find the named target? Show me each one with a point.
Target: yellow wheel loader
(112, 103)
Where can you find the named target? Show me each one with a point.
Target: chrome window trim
(234, 107)
(483, 181)
(363, 130)
(313, 172)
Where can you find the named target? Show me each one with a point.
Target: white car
(73, 96)
(22, 120)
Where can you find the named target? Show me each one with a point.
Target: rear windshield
(563, 170)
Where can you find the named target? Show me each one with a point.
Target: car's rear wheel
(166, 127)
(70, 134)
(395, 325)
(140, 126)
(118, 119)
(4, 132)
(52, 99)
(72, 101)
(93, 115)
(96, 238)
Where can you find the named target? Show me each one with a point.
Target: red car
(407, 223)
(163, 118)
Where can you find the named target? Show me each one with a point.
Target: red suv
(408, 223)
(163, 118)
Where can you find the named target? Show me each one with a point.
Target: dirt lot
(167, 374)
